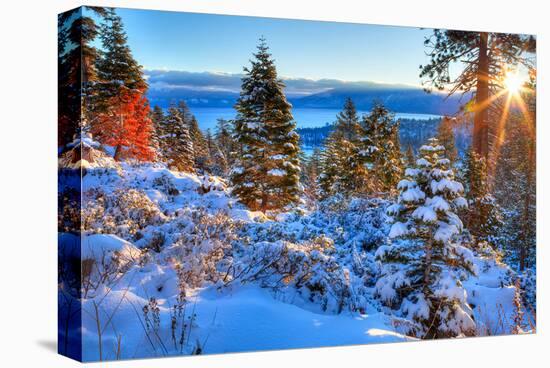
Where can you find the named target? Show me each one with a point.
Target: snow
(254, 281)
(412, 195)
(445, 232)
(425, 214)
(251, 125)
(411, 172)
(416, 306)
(399, 229)
(95, 246)
(394, 209)
(432, 148)
(461, 202)
(386, 287)
(406, 184)
(244, 319)
(237, 170)
(439, 186)
(438, 203)
(422, 162)
(276, 172)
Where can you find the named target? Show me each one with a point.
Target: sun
(513, 82)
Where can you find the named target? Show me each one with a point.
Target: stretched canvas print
(231, 184)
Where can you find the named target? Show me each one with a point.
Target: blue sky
(302, 49)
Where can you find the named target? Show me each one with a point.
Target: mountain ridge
(222, 90)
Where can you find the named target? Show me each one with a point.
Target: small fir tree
(176, 143)
(157, 118)
(381, 149)
(312, 168)
(410, 158)
(200, 148)
(446, 136)
(342, 163)
(484, 215)
(422, 267)
(218, 164)
(224, 140)
(347, 125)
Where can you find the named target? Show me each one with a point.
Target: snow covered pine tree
(266, 176)
(175, 143)
(381, 149)
(423, 266)
(484, 220)
(342, 169)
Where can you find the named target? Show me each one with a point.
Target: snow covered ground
(241, 319)
(174, 265)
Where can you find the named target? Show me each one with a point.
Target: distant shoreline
(305, 117)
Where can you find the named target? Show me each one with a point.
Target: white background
(28, 241)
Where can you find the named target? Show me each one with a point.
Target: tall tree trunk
(522, 257)
(263, 206)
(118, 149)
(526, 233)
(481, 123)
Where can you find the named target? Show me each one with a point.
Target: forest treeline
(103, 93)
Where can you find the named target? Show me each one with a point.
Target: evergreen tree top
(117, 65)
(347, 122)
(174, 114)
(348, 114)
(379, 118)
(262, 97)
(263, 50)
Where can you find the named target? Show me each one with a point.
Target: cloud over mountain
(216, 89)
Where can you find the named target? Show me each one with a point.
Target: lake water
(305, 117)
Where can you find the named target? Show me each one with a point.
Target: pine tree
(329, 169)
(141, 129)
(200, 149)
(422, 266)
(120, 80)
(157, 117)
(347, 125)
(76, 65)
(203, 160)
(177, 146)
(381, 149)
(446, 136)
(342, 162)
(219, 163)
(116, 67)
(341, 169)
(484, 217)
(515, 186)
(266, 176)
(410, 159)
(312, 169)
(225, 141)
